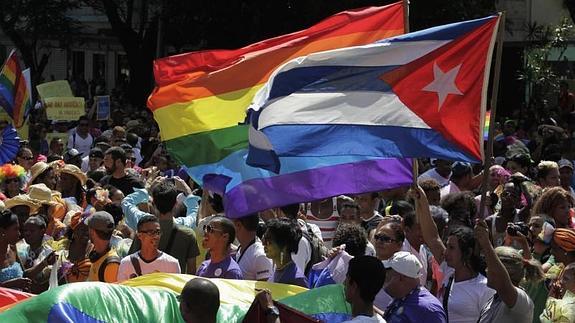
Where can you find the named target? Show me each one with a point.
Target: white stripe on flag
(353, 108)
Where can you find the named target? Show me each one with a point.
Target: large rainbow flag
(200, 105)
(153, 298)
(15, 90)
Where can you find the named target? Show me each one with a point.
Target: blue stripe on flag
(362, 140)
(327, 79)
(445, 32)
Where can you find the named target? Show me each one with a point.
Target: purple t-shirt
(290, 275)
(415, 306)
(227, 268)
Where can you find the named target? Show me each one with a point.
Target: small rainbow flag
(486, 125)
(15, 90)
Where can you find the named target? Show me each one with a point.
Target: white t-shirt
(466, 298)
(253, 262)
(376, 318)
(303, 255)
(83, 145)
(433, 174)
(85, 166)
(450, 188)
(369, 249)
(497, 311)
(164, 263)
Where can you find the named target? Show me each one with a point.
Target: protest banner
(64, 108)
(103, 107)
(54, 89)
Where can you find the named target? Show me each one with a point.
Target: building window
(78, 64)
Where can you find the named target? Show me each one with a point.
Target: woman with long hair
(463, 289)
(280, 240)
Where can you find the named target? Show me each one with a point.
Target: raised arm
(428, 227)
(497, 275)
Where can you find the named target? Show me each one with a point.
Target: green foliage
(28, 22)
(537, 73)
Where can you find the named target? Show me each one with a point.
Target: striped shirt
(326, 226)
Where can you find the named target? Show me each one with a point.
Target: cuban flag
(422, 94)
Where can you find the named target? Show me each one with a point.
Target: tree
(135, 24)
(28, 23)
(538, 73)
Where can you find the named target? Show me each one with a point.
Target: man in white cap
(105, 260)
(411, 302)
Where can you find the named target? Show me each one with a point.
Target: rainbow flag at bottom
(153, 298)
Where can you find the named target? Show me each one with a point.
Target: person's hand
(416, 193)
(181, 185)
(153, 181)
(19, 283)
(519, 238)
(335, 251)
(482, 233)
(264, 298)
(50, 259)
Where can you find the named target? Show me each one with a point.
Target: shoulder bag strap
(136, 264)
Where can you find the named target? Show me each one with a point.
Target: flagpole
(406, 16)
(494, 95)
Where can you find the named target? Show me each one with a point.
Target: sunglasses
(152, 233)
(208, 228)
(383, 238)
(133, 159)
(11, 180)
(27, 158)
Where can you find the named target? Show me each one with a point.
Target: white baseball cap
(404, 263)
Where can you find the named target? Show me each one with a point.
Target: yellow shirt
(560, 310)
(110, 272)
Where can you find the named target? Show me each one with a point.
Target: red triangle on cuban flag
(445, 87)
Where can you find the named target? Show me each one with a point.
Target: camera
(513, 228)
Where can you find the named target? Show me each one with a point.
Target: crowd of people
(110, 205)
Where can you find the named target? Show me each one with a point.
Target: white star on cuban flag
(443, 83)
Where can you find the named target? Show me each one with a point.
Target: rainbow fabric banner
(200, 103)
(201, 97)
(15, 90)
(153, 298)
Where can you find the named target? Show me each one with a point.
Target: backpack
(107, 261)
(318, 249)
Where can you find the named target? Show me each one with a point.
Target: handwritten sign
(54, 89)
(64, 109)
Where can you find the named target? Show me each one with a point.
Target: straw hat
(37, 169)
(22, 199)
(40, 193)
(74, 171)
